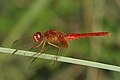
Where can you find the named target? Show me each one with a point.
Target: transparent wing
(64, 44)
(24, 44)
(28, 43)
(48, 49)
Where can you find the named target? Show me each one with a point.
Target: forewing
(24, 44)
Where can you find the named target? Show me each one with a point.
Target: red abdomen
(73, 36)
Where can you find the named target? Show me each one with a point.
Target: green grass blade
(64, 59)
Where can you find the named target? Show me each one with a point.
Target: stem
(64, 59)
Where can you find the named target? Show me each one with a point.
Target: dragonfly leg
(58, 50)
(14, 51)
(36, 46)
(39, 53)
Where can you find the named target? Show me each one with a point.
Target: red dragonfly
(51, 37)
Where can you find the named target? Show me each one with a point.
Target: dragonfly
(52, 37)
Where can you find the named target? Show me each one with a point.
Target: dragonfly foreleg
(39, 53)
(14, 51)
(36, 46)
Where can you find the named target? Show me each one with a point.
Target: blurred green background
(21, 18)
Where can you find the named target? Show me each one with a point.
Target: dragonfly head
(37, 37)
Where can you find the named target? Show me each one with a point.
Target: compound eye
(37, 37)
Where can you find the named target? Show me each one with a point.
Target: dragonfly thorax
(52, 36)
